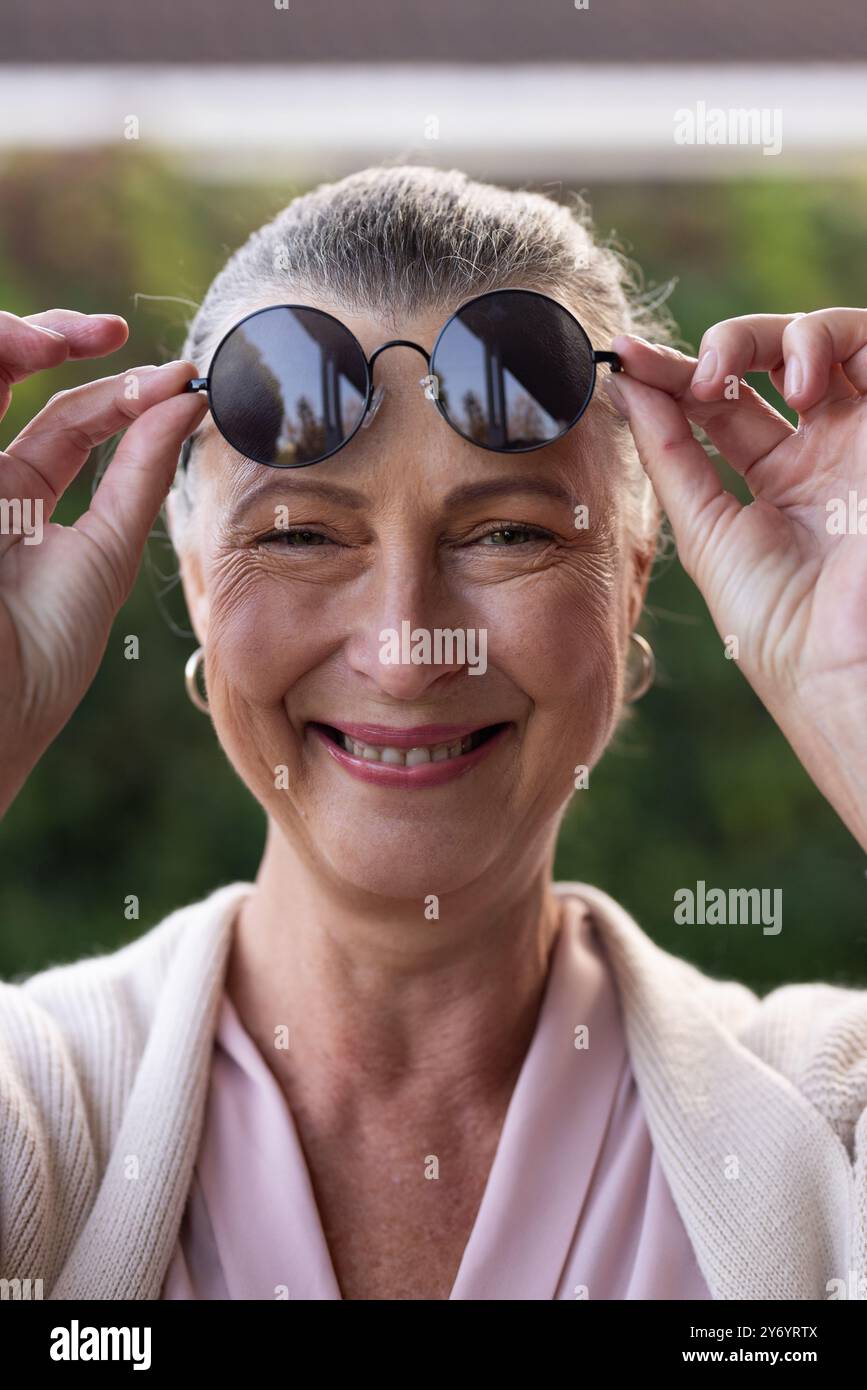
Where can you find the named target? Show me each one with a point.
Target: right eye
(294, 537)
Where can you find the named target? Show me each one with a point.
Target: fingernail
(58, 337)
(707, 366)
(616, 397)
(794, 377)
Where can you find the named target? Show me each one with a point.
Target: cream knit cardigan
(756, 1108)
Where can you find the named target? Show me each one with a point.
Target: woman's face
(295, 577)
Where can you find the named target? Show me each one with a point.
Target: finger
(58, 439)
(813, 345)
(855, 368)
(839, 388)
(805, 345)
(744, 426)
(752, 343)
(133, 487)
(25, 348)
(41, 341)
(49, 452)
(88, 335)
(684, 479)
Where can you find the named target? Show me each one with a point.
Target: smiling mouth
(415, 756)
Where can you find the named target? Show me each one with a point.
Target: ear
(192, 577)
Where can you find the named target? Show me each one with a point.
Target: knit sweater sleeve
(48, 1170)
(73, 1039)
(816, 1035)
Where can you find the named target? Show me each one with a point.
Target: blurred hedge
(135, 797)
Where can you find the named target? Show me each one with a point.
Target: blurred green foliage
(135, 796)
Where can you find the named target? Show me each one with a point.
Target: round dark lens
(288, 386)
(514, 370)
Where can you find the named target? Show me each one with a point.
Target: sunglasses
(510, 371)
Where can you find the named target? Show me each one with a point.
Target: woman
(403, 1063)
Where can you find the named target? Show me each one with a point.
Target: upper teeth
(407, 757)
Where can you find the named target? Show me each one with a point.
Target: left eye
(512, 535)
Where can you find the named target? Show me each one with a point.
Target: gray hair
(398, 240)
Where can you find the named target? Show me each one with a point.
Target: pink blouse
(576, 1204)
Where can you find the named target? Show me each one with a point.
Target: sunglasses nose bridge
(428, 382)
(397, 342)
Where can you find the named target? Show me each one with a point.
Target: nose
(405, 645)
(408, 662)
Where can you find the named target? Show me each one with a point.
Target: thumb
(132, 489)
(684, 479)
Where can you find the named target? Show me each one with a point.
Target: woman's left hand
(786, 575)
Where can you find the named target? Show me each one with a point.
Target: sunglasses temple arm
(198, 383)
(611, 358)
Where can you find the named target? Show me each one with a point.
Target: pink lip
(423, 774)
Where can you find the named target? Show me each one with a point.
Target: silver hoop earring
(648, 667)
(191, 679)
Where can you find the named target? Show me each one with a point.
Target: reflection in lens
(288, 386)
(514, 370)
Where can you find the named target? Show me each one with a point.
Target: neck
(377, 999)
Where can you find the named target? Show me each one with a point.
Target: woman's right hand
(61, 586)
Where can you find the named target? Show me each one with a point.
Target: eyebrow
(498, 487)
(467, 492)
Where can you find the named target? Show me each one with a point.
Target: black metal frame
(203, 383)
